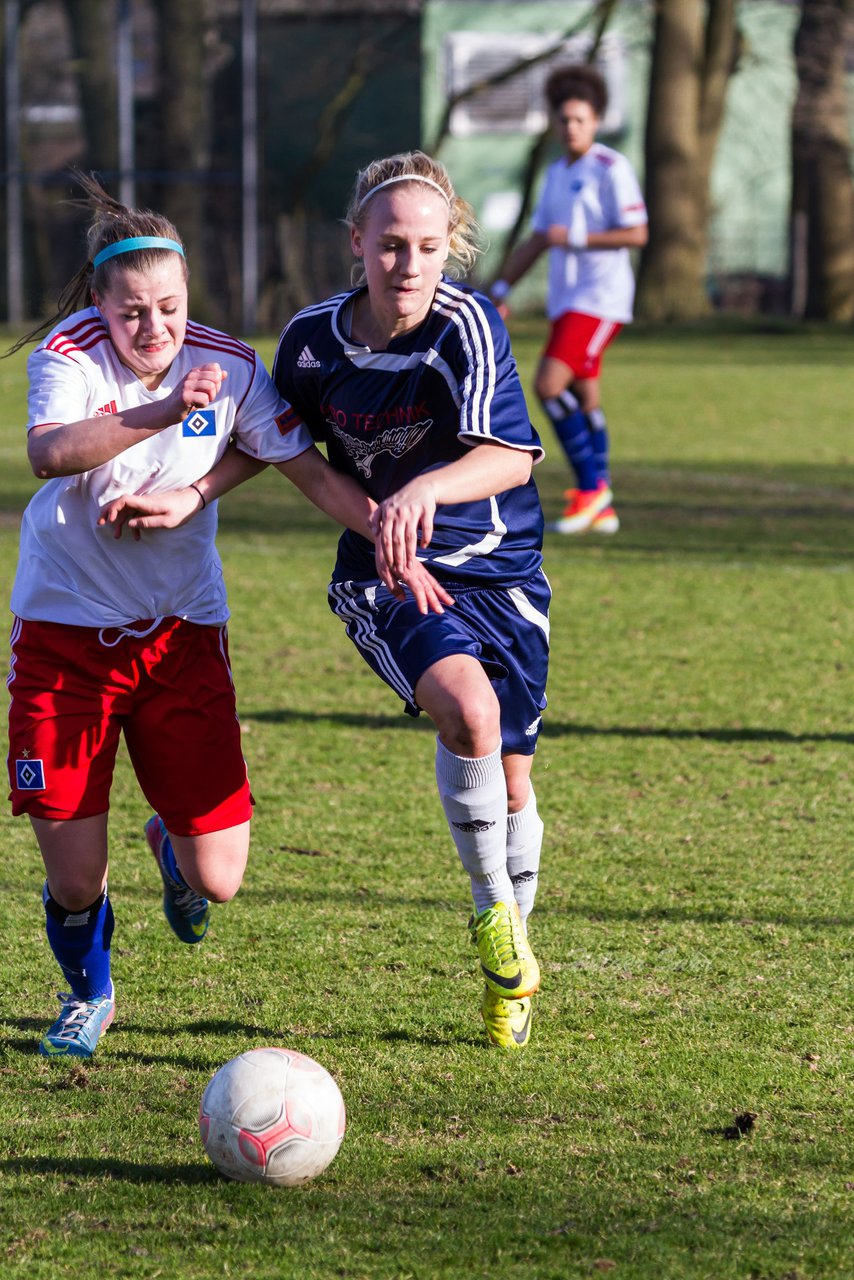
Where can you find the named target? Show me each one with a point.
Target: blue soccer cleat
(79, 1027)
(188, 912)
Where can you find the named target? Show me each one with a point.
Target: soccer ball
(272, 1115)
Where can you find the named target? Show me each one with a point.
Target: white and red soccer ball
(272, 1115)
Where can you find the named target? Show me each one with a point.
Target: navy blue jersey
(388, 416)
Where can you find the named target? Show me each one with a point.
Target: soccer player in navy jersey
(129, 637)
(590, 214)
(410, 382)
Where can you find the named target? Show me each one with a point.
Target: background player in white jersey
(590, 214)
(410, 381)
(130, 636)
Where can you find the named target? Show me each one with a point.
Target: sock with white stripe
(599, 440)
(524, 844)
(80, 941)
(573, 431)
(474, 796)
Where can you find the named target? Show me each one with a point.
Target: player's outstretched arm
(520, 261)
(342, 498)
(405, 519)
(336, 494)
(562, 237)
(174, 507)
(69, 448)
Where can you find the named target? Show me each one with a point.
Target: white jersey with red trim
(74, 572)
(597, 192)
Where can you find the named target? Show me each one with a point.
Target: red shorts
(578, 341)
(75, 689)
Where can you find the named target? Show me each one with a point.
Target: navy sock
(573, 432)
(80, 941)
(599, 440)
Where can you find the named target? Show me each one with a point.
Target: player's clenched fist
(201, 386)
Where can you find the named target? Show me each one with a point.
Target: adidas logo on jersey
(305, 360)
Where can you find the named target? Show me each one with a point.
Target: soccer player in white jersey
(129, 636)
(590, 214)
(410, 382)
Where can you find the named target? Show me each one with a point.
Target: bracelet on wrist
(499, 290)
(199, 492)
(576, 238)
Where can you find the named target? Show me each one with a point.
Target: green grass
(694, 921)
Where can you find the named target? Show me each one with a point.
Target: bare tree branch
(602, 15)
(524, 64)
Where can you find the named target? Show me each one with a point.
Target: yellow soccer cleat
(507, 1022)
(508, 963)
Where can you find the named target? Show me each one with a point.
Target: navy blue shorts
(505, 628)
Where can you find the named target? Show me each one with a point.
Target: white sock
(474, 796)
(524, 843)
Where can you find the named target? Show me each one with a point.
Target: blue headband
(136, 242)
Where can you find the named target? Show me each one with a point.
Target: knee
(472, 729)
(518, 794)
(74, 894)
(217, 892)
(552, 382)
(213, 865)
(219, 884)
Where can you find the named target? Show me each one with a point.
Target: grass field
(694, 923)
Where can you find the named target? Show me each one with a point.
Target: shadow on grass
(557, 729)
(29, 1048)
(551, 728)
(114, 1053)
(81, 1168)
(344, 1033)
(684, 915)
(374, 902)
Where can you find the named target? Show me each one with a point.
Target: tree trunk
(94, 58)
(721, 51)
(184, 147)
(822, 189)
(693, 54)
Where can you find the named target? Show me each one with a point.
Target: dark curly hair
(582, 83)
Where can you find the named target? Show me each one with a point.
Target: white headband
(405, 177)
